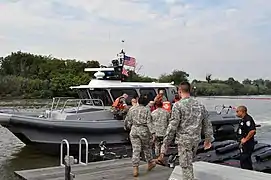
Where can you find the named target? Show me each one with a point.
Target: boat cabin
(109, 90)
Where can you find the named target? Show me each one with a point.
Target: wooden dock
(210, 171)
(121, 169)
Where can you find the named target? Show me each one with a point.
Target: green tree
(247, 81)
(176, 76)
(208, 78)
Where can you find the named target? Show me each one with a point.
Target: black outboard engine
(171, 160)
(102, 148)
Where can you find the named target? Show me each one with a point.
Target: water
(15, 156)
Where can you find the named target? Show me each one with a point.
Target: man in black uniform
(246, 132)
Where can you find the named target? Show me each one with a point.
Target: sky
(225, 38)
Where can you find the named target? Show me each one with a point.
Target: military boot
(160, 160)
(135, 171)
(151, 165)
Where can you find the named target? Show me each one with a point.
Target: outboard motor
(102, 148)
(171, 160)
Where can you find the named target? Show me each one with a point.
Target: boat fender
(261, 146)
(227, 148)
(202, 150)
(223, 144)
(215, 145)
(263, 156)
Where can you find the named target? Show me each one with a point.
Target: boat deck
(121, 169)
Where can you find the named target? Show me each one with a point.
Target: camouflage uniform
(188, 119)
(139, 120)
(160, 119)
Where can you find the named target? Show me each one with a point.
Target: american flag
(129, 61)
(124, 72)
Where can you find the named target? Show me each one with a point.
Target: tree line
(25, 75)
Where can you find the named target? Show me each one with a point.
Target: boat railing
(79, 101)
(57, 100)
(224, 108)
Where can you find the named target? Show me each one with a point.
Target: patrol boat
(91, 117)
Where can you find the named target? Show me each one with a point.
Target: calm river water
(15, 156)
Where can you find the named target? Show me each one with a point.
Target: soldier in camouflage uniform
(189, 117)
(160, 118)
(139, 120)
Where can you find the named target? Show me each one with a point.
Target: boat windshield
(116, 92)
(100, 94)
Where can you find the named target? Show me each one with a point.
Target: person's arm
(250, 134)
(150, 122)
(207, 130)
(156, 99)
(252, 130)
(128, 120)
(207, 127)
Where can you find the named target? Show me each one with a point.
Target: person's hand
(207, 145)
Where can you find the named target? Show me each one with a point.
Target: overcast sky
(221, 37)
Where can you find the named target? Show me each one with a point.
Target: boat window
(100, 94)
(149, 92)
(118, 92)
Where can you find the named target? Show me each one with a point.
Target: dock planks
(120, 169)
(210, 171)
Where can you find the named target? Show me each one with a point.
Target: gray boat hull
(47, 134)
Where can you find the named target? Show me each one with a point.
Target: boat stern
(5, 119)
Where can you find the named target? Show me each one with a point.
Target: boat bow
(5, 118)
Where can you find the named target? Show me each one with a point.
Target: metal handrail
(222, 108)
(80, 101)
(80, 151)
(56, 101)
(61, 151)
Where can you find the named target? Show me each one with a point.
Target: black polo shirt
(245, 126)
